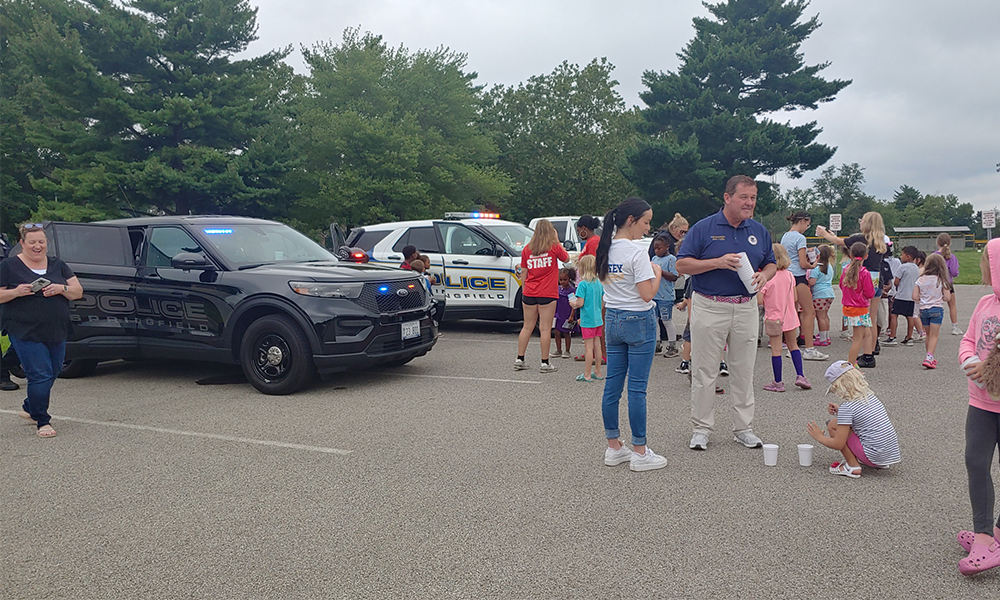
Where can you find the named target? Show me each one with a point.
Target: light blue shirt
(824, 282)
(592, 293)
(792, 241)
(669, 265)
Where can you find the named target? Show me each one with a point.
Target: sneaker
(760, 343)
(878, 349)
(846, 335)
(670, 351)
(684, 368)
(646, 462)
(813, 354)
(866, 362)
(567, 354)
(891, 342)
(956, 330)
(659, 348)
(801, 341)
(613, 458)
(9, 386)
(547, 368)
(929, 363)
(907, 342)
(921, 335)
(519, 365)
(723, 369)
(747, 438)
(775, 386)
(981, 558)
(699, 441)
(803, 383)
(842, 468)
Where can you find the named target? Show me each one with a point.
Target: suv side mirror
(190, 260)
(498, 251)
(569, 245)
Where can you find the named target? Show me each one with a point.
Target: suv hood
(333, 271)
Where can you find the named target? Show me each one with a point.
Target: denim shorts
(932, 316)
(665, 310)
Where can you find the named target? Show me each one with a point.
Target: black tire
(80, 367)
(275, 356)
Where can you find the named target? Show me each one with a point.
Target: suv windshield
(516, 237)
(268, 243)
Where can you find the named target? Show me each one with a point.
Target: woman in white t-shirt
(630, 282)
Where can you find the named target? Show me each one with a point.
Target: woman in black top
(37, 320)
(872, 235)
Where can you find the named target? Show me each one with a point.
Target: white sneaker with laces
(747, 438)
(846, 335)
(613, 458)
(547, 368)
(955, 330)
(646, 462)
(813, 354)
(699, 441)
(519, 365)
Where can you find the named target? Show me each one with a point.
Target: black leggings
(982, 435)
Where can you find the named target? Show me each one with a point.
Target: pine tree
(712, 118)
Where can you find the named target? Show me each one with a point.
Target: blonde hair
(676, 222)
(873, 229)
(417, 265)
(781, 257)
(544, 238)
(851, 386)
(944, 244)
(587, 268)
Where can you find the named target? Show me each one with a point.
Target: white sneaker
(699, 441)
(813, 354)
(846, 335)
(646, 462)
(547, 368)
(519, 365)
(613, 458)
(747, 438)
(955, 330)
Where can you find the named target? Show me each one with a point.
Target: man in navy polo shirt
(722, 310)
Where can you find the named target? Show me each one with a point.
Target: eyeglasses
(683, 231)
(33, 226)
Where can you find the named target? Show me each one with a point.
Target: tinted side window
(167, 242)
(91, 244)
(423, 238)
(560, 230)
(367, 239)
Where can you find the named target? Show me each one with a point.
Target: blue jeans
(932, 316)
(631, 341)
(42, 363)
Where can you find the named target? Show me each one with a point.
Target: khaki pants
(713, 325)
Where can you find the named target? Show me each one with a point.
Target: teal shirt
(669, 265)
(592, 293)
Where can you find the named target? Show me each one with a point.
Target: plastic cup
(805, 455)
(971, 361)
(746, 273)
(770, 455)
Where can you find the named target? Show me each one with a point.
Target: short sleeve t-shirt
(908, 274)
(590, 246)
(592, 293)
(35, 318)
(823, 288)
(669, 265)
(931, 292)
(874, 261)
(542, 278)
(628, 265)
(870, 421)
(792, 241)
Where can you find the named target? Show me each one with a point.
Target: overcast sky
(922, 111)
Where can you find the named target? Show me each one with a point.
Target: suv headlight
(327, 290)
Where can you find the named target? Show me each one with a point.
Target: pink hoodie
(984, 327)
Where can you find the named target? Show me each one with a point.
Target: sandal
(582, 377)
(595, 376)
(965, 538)
(579, 358)
(842, 468)
(46, 431)
(981, 558)
(24, 415)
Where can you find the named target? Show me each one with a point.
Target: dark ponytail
(617, 217)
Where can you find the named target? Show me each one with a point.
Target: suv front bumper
(386, 346)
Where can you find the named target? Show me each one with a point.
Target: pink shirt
(861, 295)
(779, 300)
(984, 326)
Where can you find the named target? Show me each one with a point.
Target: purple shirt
(952, 262)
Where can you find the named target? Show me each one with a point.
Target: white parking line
(213, 436)
(465, 378)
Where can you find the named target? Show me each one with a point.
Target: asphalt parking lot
(457, 477)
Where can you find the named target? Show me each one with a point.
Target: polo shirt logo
(718, 238)
(752, 239)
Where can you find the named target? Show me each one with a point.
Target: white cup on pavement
(805, 455)
(770, 455)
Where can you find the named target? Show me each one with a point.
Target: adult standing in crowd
(723, 310)
(540, 271)
(673, 232)
(36, 318)
(872, 235)
(794, 242)
(586, 226)
(630, 283)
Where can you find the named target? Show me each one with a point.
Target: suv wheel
(275, 355)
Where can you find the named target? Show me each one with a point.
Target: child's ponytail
(858, 252)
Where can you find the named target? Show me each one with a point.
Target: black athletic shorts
(901, 307)
(801, 280)
(533, 300)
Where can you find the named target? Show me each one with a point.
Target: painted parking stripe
(465, 378)
(212, 436)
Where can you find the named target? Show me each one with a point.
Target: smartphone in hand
(39, 284)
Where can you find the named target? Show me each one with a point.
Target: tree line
(141, 107)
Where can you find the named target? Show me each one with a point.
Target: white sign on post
(989, 219)
(835, 222)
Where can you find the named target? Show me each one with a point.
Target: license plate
(411, 329)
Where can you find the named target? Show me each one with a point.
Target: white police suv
(474, 259)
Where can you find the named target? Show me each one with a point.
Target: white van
(566, 230)
(474, 257)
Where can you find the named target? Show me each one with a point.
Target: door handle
(395, 257)
(459, 262)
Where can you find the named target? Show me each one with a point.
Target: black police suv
(235, 290)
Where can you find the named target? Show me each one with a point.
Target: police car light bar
(471, 215)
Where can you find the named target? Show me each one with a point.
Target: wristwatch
(65, 288)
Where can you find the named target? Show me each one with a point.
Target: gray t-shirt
(908, 273)
(793, 241)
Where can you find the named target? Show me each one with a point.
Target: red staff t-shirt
(590, 246)
(542, 272)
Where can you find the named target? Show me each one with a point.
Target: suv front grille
(385, 297)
